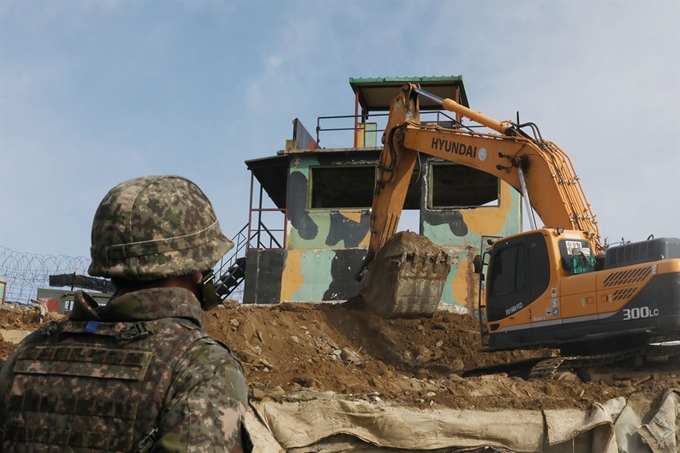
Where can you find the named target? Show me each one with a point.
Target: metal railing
(230, 270)
(240, 241)
(263, 237)
(248, 238)
(438, 117)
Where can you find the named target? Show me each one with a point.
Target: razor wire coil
(25, 272)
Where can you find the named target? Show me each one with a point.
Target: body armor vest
(90, 385)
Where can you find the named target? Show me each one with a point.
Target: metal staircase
(230, 272)
(232, 278)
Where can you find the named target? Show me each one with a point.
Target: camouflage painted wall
(325, 248)
(460, 233)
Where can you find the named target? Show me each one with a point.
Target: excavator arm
(542, 288)
(398, 281)
(540, 170)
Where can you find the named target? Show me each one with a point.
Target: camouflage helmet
(155, 227)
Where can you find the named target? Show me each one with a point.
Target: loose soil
(346, 349)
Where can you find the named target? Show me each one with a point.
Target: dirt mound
(17, 317)
(353, 352)
(408, 242)
(348, 350)
(6, 349)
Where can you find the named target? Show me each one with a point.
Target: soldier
(138, 374)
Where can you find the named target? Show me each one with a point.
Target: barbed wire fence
(26, 272)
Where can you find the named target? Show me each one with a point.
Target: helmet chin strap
(207, 294)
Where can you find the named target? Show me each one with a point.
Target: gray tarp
(324, 422)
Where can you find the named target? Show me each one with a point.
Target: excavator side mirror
(477, 263)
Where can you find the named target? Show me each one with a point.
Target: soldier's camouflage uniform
(138, 374)
(106, 378)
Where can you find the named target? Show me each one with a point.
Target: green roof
(376, 93)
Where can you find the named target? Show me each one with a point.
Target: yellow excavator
(556, 286)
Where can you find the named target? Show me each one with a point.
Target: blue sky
(96, 92)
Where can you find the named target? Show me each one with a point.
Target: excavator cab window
(519, 272)
(576, 256)
(509, 271)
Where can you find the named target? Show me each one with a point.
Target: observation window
(342, 187)
(458, 186)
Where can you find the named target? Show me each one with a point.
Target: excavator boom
(552, 286)
(556, 192)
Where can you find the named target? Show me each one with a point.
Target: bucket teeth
(409, 286)
(407, 277)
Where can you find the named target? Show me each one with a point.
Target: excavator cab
(519, 272)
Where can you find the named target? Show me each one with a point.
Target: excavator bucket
(406, 279)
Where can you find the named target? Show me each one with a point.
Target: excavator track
(550, 368)
(628, 363)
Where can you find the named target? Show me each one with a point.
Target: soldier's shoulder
(7, 367)
(207, 350)
(219, 366)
